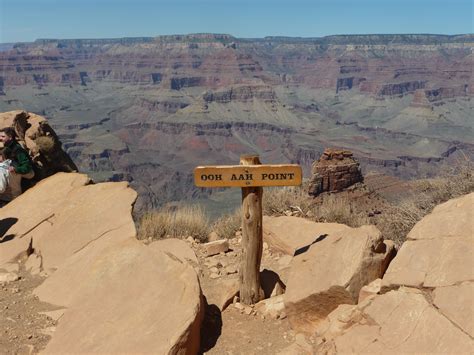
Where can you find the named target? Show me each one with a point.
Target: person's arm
(23, 165)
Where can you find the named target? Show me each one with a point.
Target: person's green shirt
(19, 157)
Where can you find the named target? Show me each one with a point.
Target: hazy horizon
(28, 20)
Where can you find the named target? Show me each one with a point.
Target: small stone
(214, 270)
(265, 246)
(224, 262)
(239, 305)
(248, 310)
(212, 262)
(231, 269)
(216, 247)
(6, 277)
(10, 267)
(33, 264)
(213, 236)
(190, 239)
(214, 276)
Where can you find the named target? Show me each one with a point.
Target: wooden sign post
(251, 176)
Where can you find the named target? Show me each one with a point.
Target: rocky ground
(26, 324)
(240, 329)
(145, 296)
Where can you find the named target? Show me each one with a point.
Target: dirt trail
(23, 330)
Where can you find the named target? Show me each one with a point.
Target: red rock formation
(382, 65)
(335, 171)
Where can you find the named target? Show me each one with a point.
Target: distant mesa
(336, 170)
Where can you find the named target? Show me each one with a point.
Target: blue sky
(27, 20)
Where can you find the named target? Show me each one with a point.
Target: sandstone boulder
(216, 247)
(288, 234)
(398, 322)
(369, 290)
(332, 272)
(63, 214)
(222, 292)
(176, 247)
(20, 219)
(457, 304)
(439, 249)
(272, 307)
(40, 140)
(131, 299)
(89, 213)
(435, 317)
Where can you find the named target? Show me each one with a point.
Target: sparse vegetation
(277, 201)
(227, 225)
(394, 220)
(179, 222)
(45, 144)
(397, 220)
(337, 209)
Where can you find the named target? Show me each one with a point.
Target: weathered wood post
(252, 238)
(251, 176)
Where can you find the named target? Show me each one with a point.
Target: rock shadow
(211, 328)
(306, 247)
(5, 225)
(269, 280)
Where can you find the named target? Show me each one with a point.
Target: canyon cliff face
(148, 110)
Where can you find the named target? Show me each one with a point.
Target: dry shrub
(227, 225)
(276, 201)
(339, 209)
(397, 220)
(45, 144)
(179, 222)
(333, 208)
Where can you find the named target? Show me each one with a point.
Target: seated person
(4, 171)
(21, 165)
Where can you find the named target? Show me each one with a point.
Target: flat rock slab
(331, 273)
(216, 247)
(457, 303)
(63, 214)
(398, 322)
(453, 218)
(20, 218)
(88, 213)
(176, 247)
(439, 249)
(435, 314)
(290, 235)
(132, 299)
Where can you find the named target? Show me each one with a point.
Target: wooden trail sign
(251, 176)
(247, 175)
